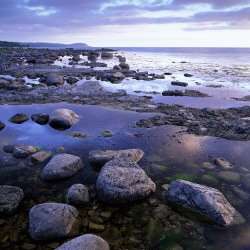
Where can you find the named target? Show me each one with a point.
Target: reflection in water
(169, 154)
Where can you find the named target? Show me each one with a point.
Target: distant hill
(57, 45)
(10, 44)
(44, 45)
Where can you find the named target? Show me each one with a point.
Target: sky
(128, 23)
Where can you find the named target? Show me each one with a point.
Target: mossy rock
(185, 177)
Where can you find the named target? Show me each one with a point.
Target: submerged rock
(78, 194)
(63, 119)
(206, 201)
(2, 125)
(49, 221)
(62, 166)
(19, 118)
(10, 198)
(41, 119)
(230, 177)
(100, 157)
(41, 156)
(23, 151)
(180, 84)
(85, 242)
(121, 180)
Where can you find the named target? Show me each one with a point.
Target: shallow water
(170, 154)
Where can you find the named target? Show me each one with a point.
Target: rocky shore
(125, 208)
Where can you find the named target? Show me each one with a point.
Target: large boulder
(206, 201)
(100, 157)
(54, 79)
(49, 221)
(78, 194)
(63, 119)
(10, 198)
(85, 242)
(89, 88)
(62, 166)
(121, 180)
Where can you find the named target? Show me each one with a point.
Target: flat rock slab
(121, 180)
(10, 198)
(206, 201)
(85, 242)
(100, 157)
(62, 166)
(50, 221)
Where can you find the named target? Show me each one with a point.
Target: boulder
(62, 166)
(180, 84)
(188, 75)
(121, 180)
(100, 157)
(124, 66)
(117, 77)
(41, 118)
(89, 88)
(19, 118)
(63, 119)
(23, 151)
(206, 201)
(78, 194)
(10, 198)
(54, 79)
(49, 221)
(106, 55)
(85, 242)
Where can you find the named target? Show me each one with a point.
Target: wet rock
(54, 79)
(121, 180)
(229, 176)
(49, 221)
(222, 163)
(78, 194)
(188, 75)
(124, 66)
(100, 157)
(121, 59)
(23, 151)
(107, 133)
(106, 55)
(178, 83)
(41, 118)
(40, 157)
(19, 118)
(192, 93)
(62, 166)
(206, 201)
(85, 242)
(63, 119)
(2, 125)
(10, 198)
(117, 77)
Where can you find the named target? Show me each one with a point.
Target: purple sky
(128, 22)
